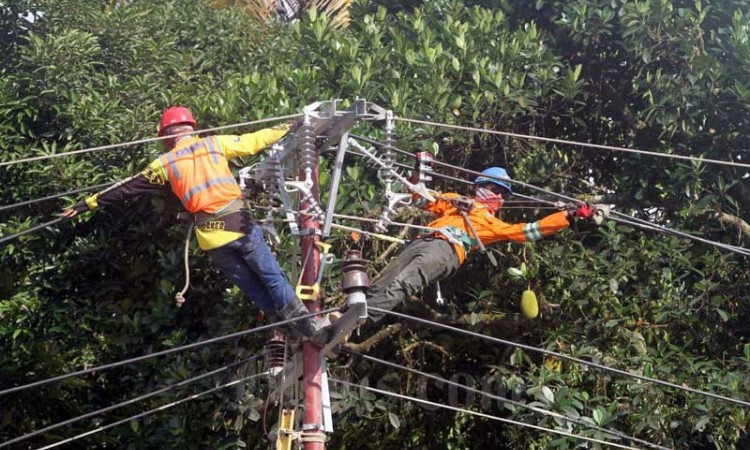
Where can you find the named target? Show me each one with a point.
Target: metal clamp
(394, 199)
(418, 188)
(310, 293)
(304, 188)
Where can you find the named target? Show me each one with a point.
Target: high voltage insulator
(270, 179)
(275, 353)
(386, 173)
(355, 282)
(308, 155)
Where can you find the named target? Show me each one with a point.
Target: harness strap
(235, 205)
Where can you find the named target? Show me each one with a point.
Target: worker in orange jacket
(196, 170)
(461, 223)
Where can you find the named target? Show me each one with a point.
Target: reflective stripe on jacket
(199, 174)
(489, 228)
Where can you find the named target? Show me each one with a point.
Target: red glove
(584, 211)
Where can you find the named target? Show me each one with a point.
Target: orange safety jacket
(489, 228)
(197, 172)
(199, 175)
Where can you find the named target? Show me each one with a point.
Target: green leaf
(548, 394)
(394, 420)
(613, 285)
(598, 415)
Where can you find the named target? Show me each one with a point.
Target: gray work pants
(423, 261)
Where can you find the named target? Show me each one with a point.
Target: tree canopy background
(661, 75)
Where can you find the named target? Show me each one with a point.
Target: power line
(565, 357)
(476, 413)
(129, 402)
(162, 353)
(626, 219)
(152, 411)
(542, 411)
(732, 248)
(52, 197)
(581, 144)
(33, 229)
(640, 223)
(143, 141)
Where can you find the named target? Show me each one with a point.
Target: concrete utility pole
(313, 437)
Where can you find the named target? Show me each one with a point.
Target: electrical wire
(52, 197)
(33, 229)
(479, 414)
(508, 401)
(640, 223)
(731, 248)
(130, 401)
(162, 353)
(144, 141)
(581, 144)
(564, 356)
(152, 411)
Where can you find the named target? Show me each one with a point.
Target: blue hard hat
(491, 175)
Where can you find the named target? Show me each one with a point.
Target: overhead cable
(41, 226)
(640, 223)
(130, 402)
(479, 414)
(52, 197)
(563, 141)
(162, 353)
(508, 401)
(152, 411)
(732, 248)
(143, 141)
(565, 357)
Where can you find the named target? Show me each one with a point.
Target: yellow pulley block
(310, 293)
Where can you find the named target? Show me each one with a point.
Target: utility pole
(313, 437)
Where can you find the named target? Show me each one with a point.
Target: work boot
(323, 335)
(306, 327)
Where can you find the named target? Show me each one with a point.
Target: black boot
(306, 327)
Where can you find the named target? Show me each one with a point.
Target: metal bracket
(601, 212)
(420, 188)
(344, 326)
(303, 187)
(335, 181)
(394, 199)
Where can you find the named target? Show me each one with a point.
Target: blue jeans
(249, 263)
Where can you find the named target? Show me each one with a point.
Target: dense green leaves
(661, 75)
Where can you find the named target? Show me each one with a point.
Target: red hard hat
(176, 115)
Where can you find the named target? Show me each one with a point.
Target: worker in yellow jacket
(462, 222)
(196, 170)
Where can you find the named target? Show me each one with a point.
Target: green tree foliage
(667, 76)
